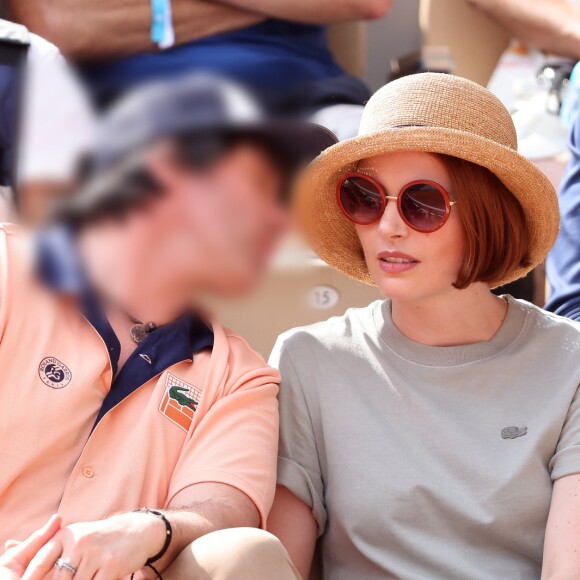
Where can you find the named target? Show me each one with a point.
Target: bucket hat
(431, 113)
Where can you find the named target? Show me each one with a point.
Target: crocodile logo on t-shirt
(513, 432)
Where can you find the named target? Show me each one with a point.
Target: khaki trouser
(233, 554)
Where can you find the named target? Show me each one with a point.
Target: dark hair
(494, 222)
(129, 185)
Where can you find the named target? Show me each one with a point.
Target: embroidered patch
(179, 401)
(54, 373)
(513, 432)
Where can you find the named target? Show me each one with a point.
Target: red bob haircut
(496, 236)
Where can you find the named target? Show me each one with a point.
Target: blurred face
(210, 231)
(219, 227)
(404, 263)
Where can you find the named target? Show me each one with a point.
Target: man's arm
(99, 29)
(319, 12)
(117, 546)
(213, 506)
(551, 25)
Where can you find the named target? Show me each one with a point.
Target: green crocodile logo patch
(181, 395)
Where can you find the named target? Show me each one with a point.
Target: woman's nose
(391, 224)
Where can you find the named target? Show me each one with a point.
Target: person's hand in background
(18, 555)
(87, 30)
(92, 30)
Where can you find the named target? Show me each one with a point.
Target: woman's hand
(18, 555)
(103, 550)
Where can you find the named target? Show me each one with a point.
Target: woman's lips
(396, 262)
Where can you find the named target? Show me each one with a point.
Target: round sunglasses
(423, 205)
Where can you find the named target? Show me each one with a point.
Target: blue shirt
(273, 54)
(563, 264)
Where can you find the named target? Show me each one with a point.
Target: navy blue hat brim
(297, 142)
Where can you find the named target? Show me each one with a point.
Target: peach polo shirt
(192, 404)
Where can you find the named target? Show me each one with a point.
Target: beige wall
(295, 295)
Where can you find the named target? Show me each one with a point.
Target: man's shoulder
(239, 347)
(237, 358)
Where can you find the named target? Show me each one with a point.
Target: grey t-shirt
(426, 462)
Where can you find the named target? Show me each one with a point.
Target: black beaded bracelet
(168, 536)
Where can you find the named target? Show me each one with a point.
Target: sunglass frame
(385, 198)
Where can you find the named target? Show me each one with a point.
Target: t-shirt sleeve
(566, 460)
(298, 464)
(235, 443)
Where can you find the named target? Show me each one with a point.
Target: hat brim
(297, 142)
(334, 238)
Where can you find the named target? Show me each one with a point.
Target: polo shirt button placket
(88, 472)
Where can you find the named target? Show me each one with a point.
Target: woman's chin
(397, 289)
(405, 288)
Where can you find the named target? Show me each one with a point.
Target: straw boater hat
(435, 113)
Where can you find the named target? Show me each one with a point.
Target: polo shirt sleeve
(566, 460)
(236, 441)
(298, 464)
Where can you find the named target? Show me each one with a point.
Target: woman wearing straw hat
(435, 434)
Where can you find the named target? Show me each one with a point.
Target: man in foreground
(115, 395)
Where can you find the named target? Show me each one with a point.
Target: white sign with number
(323, 297)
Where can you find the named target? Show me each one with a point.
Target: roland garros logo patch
(179, 401)
(54, 373)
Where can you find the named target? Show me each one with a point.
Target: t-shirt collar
(449, 356)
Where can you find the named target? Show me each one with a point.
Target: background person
(277, 49)
(55, 129)
(129, 396)
(563, 263)
(410, 428)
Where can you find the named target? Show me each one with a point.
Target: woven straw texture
(433, 113)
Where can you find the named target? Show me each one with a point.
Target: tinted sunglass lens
(361, 199)
(423, 206)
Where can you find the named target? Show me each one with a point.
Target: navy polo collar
(60, 268)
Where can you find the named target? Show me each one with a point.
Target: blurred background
(68, 61)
